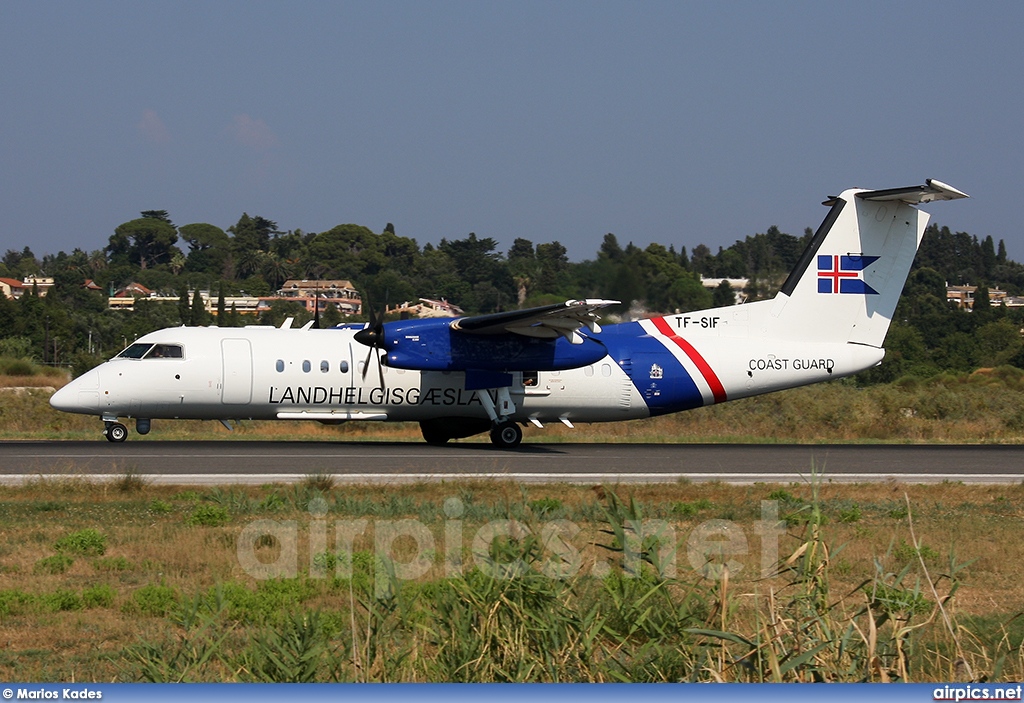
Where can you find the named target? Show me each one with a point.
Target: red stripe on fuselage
(717, 389)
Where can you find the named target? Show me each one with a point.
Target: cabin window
(606, 370)
(344, 367)
(324, 367)
(588, 371)
(135, 351)
(165, 351)
(306, 366)
(280, 366)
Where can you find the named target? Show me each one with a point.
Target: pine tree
(199, 316)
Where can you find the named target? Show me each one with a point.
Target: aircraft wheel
(506, 435)
(116, 432)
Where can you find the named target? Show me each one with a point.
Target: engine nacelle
(431, 345)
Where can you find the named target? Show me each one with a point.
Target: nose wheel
(506, 434)
(115, 432)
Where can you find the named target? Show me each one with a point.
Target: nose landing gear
(115, 432)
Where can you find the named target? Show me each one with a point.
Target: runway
(368, 462)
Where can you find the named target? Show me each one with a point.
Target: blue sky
(676, 122)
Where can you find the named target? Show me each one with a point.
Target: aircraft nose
(80, 396)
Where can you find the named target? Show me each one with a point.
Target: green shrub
(88, 542)
(60, 601)
(851, 514)
(272, 503)
(690, 509)
(160, 507)
(154, 599)
(57, 564)
(208, 516)
(268, 602)
(101, 596)
(13, 601)
(905, 552)
(326, 562)
(16, 348)
(898, 601)
(781, 495)
(19, 367)
(544, 506)
(112, 564)
(899, 512)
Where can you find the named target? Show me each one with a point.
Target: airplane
(500, 372)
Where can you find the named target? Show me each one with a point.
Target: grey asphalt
(259, 462)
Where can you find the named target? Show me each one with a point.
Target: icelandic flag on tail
(843, 274)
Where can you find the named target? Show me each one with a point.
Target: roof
(322, 285)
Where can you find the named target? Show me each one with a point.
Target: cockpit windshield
(135, 351)
(152, 351)
(165, 351)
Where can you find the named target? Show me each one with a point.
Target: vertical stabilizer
(847, 283)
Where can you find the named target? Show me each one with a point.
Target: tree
(347, 251)
(982, 304)
(252, 233)
(221, 322)
(184, 311)
(208, 247)
(553, 261)
(146, 242)
(331, 316)
(522, 264)
(275, 270)
(723, 295)
(198, 312)
(161, 215)
(701, 260)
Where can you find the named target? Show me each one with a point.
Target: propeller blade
(366, 364)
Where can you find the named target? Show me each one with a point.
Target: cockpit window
(165, 351)
(135, 351)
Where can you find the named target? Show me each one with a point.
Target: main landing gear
(115, 432)
(506, 434)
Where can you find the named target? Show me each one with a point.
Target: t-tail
(828, 320)
(847, 283)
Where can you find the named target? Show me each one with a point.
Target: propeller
(372, 336)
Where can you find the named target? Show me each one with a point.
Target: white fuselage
(267, 373)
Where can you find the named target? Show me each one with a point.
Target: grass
(925, 584)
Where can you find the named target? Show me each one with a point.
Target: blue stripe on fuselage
(661, 379)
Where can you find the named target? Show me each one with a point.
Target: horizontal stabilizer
(930, 191)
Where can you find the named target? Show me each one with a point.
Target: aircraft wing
(545, 322)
